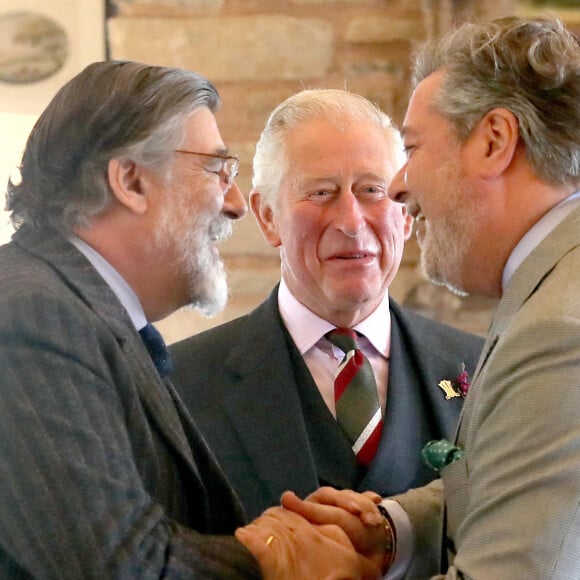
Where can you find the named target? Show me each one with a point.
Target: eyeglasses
(226, 166)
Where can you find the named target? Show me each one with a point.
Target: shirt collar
(306, 328)
(122, 290)
(537, 233)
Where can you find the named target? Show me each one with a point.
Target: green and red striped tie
(358, 410)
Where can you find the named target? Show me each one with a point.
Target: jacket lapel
(272, 373)
(540, 262)
(524, 282)
(416, 408)
(262, 375)
(395, 460)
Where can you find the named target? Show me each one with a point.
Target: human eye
(373, 192)
(409, 150)
(214, 165)
(319, 194)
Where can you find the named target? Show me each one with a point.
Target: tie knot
(343, 338)
(157, 349)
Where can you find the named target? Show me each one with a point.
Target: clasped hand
(332, 535)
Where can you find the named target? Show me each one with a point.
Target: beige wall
(258, 52)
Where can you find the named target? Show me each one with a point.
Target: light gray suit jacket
(513, 501)
(102, 472)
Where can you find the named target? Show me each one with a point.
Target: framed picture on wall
(43, 43)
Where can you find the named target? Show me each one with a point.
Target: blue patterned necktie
(157, 349)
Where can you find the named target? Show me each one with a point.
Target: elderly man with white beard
(126, 188)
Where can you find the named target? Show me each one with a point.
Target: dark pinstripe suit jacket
(102, 472)
(255, 402)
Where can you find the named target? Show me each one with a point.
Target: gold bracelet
(390, 539)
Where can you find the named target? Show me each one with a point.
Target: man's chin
(212, 301)
(213, 307)
(355, 299)
(353, 291)
(437, 278)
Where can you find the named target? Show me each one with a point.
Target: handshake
(331, 535)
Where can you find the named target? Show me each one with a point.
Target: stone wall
(258, 52)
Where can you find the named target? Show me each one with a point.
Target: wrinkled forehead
(319, 139)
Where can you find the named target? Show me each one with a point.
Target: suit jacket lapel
(528, 277)
(223, 509)
(395, 459)
(395, 462)
(274, 372)
(262, 372)
(416, 408)
(524, 282)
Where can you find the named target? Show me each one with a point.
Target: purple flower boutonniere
(463, 381)
(457, 388)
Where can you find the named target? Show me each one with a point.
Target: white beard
(195, 245)
(208, 287)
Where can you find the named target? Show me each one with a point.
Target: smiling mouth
(353, 256)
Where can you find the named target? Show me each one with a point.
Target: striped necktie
(358, 410)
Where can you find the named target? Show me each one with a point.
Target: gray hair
(114, 109)
(334, 105)
(528, 66)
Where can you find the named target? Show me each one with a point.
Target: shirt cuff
(404, 552)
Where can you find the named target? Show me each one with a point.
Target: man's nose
(350, 217)
(235, 205)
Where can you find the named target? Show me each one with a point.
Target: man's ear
(265, 217)
(500, 134)
(126, 182)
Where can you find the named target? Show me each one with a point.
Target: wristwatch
(390, 539)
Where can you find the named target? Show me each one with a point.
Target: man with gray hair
(263, 388)
(126, 189)
(492, 175)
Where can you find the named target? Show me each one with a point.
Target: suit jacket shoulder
(444, 342)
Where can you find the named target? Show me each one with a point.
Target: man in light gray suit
(126, 188)
(492, 178)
